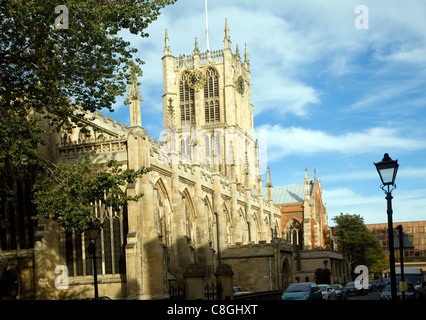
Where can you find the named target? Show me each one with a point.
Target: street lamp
(92, 233)
(401, 257)
(387, 169)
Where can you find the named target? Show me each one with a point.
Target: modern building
(415, 231)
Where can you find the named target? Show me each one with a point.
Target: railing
(188, 60)
(213, 292)
(265, 295)
(213, 57)
(177, 292)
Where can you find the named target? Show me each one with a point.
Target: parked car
(409, 294)
(352, 289)
(385, 282)
(99, 298)
(371, 286)
(327, 291)
(240, 290)
(340, 291)
(378, 284)
(302, 291)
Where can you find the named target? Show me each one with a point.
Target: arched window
(211, 221)
(207, 112)
(293, 232)
(211, 97)
(207, 146)
(110, 244)
(189, 216)
(185, 146)
(218, 150)
(216, 111)
(228, 223)
(211, 111)
(211, 86)
(186, 97)
(163, 213)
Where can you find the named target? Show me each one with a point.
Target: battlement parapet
(213, 57)
(79, 149)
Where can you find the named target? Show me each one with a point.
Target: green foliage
(358, 244)
(51, 68)
(18, 141)
(51, 74)
(69, 190)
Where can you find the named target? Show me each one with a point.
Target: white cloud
(407, 206)
(286, 41)
(295, 140)
(284, 96)
(362, 175)
(350, 176)
(343, 200)
(419, 173)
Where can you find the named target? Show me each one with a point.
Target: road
(370, 296)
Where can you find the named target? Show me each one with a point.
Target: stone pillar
(46, 259)
(224, 276)
(133, 277)
(194, 282)
(133, 247)
(203, 250)
(153, 266)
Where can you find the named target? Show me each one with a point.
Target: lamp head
(387, 169)
(93, 231)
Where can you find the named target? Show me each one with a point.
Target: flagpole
(207, 27)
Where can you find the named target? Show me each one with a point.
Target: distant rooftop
(287, 194)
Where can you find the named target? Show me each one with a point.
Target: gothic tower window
(207, 147)
(186, 97)
(293, 232)
(211, 97)
(185, 147)
(110, 245)
(163, 213)
(218, 150)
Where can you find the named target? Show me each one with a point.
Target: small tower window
(211, 95)
(211, 86)
(186, 97)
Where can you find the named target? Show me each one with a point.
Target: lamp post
(387, 169)
(92, 233)
(401, 257)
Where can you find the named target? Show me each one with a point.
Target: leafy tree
(55, 65)
(48, 71)
(358, 244)
(68, 193)
(48, 66)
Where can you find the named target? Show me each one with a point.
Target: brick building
(415, 231)
(304, 223)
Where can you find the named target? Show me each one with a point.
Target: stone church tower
(208, 115)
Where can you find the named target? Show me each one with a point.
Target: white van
(415, 277)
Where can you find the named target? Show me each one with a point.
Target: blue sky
(331, 96)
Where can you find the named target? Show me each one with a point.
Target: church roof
(287, 194)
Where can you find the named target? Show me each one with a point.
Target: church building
(203, 206)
